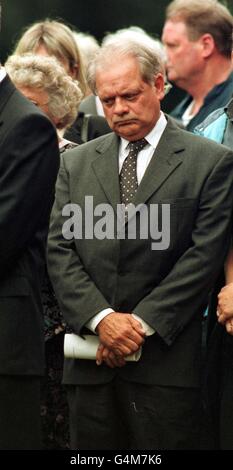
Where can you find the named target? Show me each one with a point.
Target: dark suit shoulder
(87, 127)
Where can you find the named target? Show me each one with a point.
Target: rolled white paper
(77, 347)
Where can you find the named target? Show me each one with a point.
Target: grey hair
(87, 44)
(138, 34)
(46, 73)
(148, 57)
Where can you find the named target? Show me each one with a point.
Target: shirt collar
(153, 136)
(229, 109)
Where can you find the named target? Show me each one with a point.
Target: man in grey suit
(138, 288)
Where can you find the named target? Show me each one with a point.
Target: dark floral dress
(54, 408)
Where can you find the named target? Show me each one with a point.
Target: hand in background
(225, 304)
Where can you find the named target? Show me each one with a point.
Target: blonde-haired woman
(54, 38)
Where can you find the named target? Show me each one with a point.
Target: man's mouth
(125, 122)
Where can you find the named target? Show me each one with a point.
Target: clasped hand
(120, 335)
(225, 307)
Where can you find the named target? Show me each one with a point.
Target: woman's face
(41, 50)
(40, 98)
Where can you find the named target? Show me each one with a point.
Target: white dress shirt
(99, 107)
(2, 73)
(143, 160)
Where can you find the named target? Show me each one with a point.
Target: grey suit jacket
(166, 288)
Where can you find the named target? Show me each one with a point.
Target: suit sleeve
(184, 292)
(73, 285)
(28, 168)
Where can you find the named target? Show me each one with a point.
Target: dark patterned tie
(128, 174)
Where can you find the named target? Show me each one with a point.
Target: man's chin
(126, 129)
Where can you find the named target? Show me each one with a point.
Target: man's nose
(120, 106)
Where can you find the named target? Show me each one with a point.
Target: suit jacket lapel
(166, 158)
(106, 168)
(6, 90)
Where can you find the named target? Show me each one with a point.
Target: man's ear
(159, 85)
(208, 44)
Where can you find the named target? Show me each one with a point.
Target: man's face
(131, 105)
(184, 57)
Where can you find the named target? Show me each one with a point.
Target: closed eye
(108, 101)
(131, 97)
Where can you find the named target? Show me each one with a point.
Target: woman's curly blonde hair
(45, 73)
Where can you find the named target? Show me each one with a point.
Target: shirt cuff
(147, 328)
(92, 324)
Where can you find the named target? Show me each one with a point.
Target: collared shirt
(216, 98)
(228, 135)
(143, 160)
(145, 155)
(218, 126)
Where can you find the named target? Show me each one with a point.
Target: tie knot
(137, 145)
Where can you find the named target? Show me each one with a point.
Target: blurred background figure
(88, 46)
(54, 38)
(197, 38)
(43, 81)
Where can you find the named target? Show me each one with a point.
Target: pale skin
(132, 108)
(225, 297)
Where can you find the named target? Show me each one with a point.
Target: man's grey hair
(147, 56)
(46, 73)
(138, 34)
